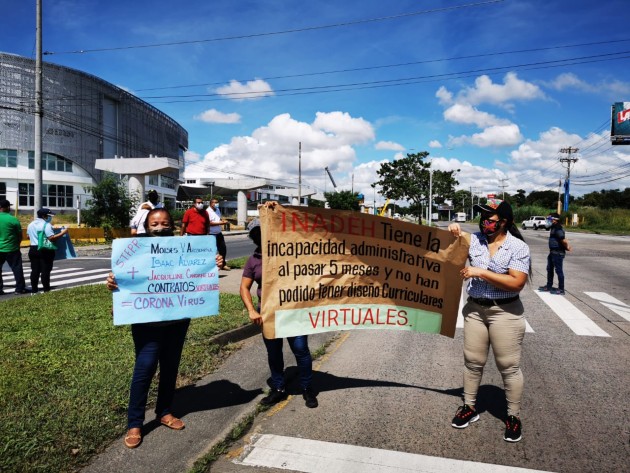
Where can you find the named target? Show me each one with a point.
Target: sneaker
(310, 399)
(544, 288)
(23, 291)
(274, 397)
(557, 292)
(512, 429)
(465, 415)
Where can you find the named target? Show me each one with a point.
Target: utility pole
(300, 174)
(559, 209)
(569, 160)
(39, 112)
(503, 186)
(430, 209)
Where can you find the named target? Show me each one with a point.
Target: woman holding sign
(493, 316)
(299, 345)
(41, 253)
(155, 343)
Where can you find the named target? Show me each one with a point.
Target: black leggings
(41, 264)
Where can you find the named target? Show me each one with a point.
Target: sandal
(132, 440)
(173, 423)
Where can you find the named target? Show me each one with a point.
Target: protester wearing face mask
(42, 259)
(155, 343)
(216, 222)
(499, 265)
(195, 220)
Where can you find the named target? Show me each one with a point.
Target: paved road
(387, 398)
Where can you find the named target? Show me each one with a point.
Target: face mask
(199, 206)
(160, 232)
(489, 227)
(49, 219)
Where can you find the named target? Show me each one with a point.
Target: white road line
(87, 278)
(313, 456)
(613, 304)
(575, 319)
(460, 315)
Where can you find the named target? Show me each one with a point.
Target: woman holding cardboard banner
(493, 316)
(155, 343)
(299, 345)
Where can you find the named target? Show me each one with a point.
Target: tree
(343, 200)
(519, 197)
(408, 179)
(547, 199)
(110, 205)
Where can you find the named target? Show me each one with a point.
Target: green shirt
(10, 233)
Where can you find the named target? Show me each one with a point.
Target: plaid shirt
(513, 254)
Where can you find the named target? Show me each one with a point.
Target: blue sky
(492, 88)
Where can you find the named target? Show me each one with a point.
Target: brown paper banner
(327, 270)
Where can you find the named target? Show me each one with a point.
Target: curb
(235, 335)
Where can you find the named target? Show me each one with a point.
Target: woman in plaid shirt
(499, 265)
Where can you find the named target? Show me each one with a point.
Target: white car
(536, 222)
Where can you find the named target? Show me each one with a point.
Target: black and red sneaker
(513, 429)
(465, 415)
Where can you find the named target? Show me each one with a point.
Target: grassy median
(65, 372)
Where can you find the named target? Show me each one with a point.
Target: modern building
(86, 120)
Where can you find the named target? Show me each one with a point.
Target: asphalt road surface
(387, 398)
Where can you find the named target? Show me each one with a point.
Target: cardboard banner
(164, 278)
(327, 270)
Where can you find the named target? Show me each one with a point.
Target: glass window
(8, 158)
(26, 194)
(50, 162)
(3, 190)
(153, 180)
(168, 182)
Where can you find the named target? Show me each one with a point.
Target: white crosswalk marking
(613, 304)
(60, 276)
(314, 456)
(574, 318)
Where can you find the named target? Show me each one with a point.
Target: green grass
(65, 372)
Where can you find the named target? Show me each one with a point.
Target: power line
(277, 33)
(386, 66)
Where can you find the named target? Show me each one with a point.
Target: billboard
(620, 124)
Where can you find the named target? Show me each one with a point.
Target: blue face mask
(49, 219)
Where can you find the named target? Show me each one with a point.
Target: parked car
(536, 222)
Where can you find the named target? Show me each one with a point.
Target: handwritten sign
(326, 270)
(164, 278)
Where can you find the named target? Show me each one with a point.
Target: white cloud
(389, 145)
(251, 90)
(435, 144)
(272, 150)
(469, 115)
(568, 81)
(445, 97)
(215, 116)
(499, 135)
(513, 88)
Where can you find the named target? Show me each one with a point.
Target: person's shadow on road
(490, 398)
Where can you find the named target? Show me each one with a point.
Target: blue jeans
(554, 261)
(299, 347)
(14, 260)
(155, 343)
